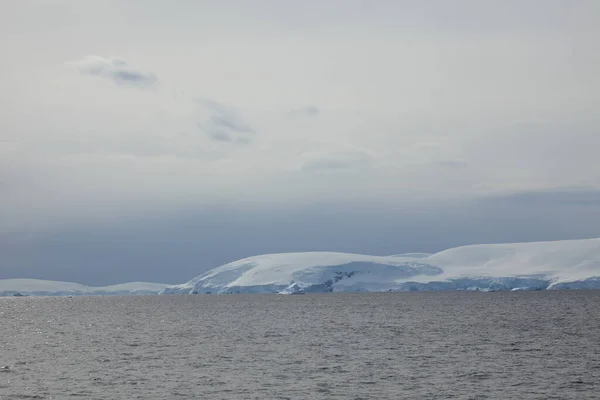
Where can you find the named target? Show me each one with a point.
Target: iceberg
(567, 264)
(38, 287)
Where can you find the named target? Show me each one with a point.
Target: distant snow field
(37, 287)
(569, 264)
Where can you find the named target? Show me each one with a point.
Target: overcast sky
(152, 140)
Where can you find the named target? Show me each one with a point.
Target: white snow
(518, 266)
(307, 271)
(38, 287)
(567, 260)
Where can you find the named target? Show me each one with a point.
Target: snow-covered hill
(571, 264)
(517, 266)
(37, 287)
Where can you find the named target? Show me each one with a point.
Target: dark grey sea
(458, 345)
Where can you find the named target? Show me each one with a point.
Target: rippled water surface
(538, 345)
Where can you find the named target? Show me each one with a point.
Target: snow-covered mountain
(37, 287)
(516, 266)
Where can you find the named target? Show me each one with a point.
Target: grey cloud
(149, 146)
(116, 70)
(217, 135)
(453, 164)
(559, 197)
(223, 123)
(334, 162)
(308, 111)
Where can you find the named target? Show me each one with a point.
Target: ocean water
(541, 345)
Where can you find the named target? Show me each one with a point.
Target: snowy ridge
(566, 264)
(37, 287)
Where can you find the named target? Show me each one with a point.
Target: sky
(153, 140)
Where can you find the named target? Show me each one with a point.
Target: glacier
(553, 265)
(38, 287)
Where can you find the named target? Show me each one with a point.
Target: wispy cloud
(308, 111)
(223, 123)
(116, 70)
